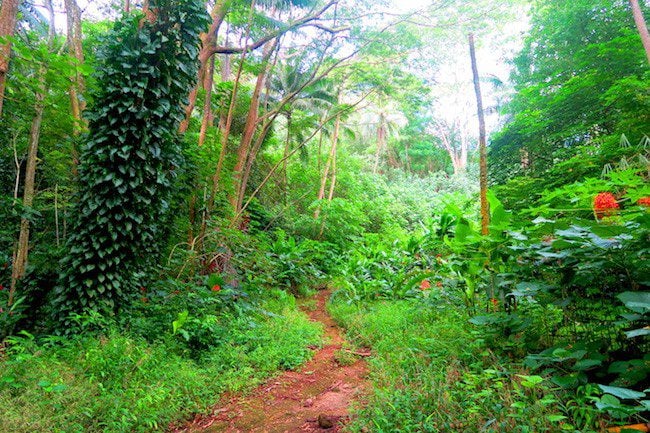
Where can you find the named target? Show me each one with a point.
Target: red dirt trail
(314, 399)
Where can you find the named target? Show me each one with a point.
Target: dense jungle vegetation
(178, 176)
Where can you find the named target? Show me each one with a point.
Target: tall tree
(210, 42)
(74, 38)
(21, 253)
(455, 142)
(580, 79)
(485, 212)
(8, 12)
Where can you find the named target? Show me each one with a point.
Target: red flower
(439, 284)
(216, 288)
(643, 201)
(605, 204)
(2, 287)
(425, 284)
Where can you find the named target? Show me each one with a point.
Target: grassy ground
(432, 373)
(118, 382)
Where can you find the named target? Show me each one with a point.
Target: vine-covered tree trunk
(485, 212)
(128, 164)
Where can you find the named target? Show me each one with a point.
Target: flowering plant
(605, 204)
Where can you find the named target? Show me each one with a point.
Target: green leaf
(622, 393)
(638, 332)
(531, 381)
(639, 302)
(180, 321)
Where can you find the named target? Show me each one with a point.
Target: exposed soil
(314, 399)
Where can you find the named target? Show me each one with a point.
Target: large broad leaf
(638, 332)
(528, 288)
(180, 321)
(463, 230)
(499, 216)
(639, 302)
(623, 393)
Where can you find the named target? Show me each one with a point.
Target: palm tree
(311, 101)
(383, 120)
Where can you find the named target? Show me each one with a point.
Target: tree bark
(208, 40)
(485, 212)
(21, 253)
(330, 196)
(209, 45)
(381, 142)
(641, 26)
(8, 12)
(328, 164)
(78, 105)
(225, 76)
(457, 155)
(207, 103)
(287, 149)
(243, 152)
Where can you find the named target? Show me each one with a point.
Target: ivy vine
(127, 166)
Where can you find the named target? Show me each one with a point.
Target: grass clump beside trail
(120, 382)
(432, 374)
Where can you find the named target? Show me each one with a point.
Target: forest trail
(316, 398)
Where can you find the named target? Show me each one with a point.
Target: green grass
(431, 373)
(121, 383)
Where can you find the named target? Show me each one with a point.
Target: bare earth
(314, 399)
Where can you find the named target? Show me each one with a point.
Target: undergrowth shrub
(432, 374)
(120, 382)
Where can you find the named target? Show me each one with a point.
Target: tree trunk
(287, 149)
(243, 152)
(208, 40)
(381, 142)
(330, 196)
(641, 25)
(462, 158)
(8, 11)
(485, 212)
(458, 158)
(225, 76)
(328, 164)
(73, 14)
(22, 248)
(408, 157)
(207, 103)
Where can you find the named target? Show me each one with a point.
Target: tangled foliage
(127, 165)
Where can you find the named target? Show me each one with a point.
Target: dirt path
(314, 399)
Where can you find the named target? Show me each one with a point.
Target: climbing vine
(132, 150)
